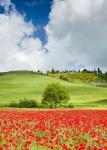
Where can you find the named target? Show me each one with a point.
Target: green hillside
(16, 86)
(91, 78)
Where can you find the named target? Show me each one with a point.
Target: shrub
(55, 96)
(24, 104)
(27, 104)
(13, 104)
(70, 105)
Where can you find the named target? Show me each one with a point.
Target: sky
(59, 34)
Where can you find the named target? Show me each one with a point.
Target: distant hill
(17, 72)
(82, 77)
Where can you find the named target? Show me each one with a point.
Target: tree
(85, 71)
(53, 71)
(99, 71)
(55, 96)
(38, 71)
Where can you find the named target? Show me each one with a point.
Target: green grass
(18, 86)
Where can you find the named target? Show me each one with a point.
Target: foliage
(55, 96)
(24, 104)
(70, 105)
(27, 104)
(13, 104)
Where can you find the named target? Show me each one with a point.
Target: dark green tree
(55, 96)
(38, 71)
(99, 71)
(53, 71)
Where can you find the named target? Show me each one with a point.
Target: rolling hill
(15, 86)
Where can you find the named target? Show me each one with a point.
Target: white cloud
(18, 48)
(77, 33)
(6, 4)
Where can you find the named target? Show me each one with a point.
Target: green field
(18, 86)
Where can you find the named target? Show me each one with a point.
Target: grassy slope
(16, 86)
(82, 77)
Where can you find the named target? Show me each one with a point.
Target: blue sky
(37, 11)
(46, 34)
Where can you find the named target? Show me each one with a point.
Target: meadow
(17, 86)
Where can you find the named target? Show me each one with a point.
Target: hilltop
(96, 78)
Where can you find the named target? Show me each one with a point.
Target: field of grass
(18, 86)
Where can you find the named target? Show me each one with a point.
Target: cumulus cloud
(18, 47)
(76, 37)
(77, 33)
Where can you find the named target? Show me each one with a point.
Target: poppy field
(53, 129)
